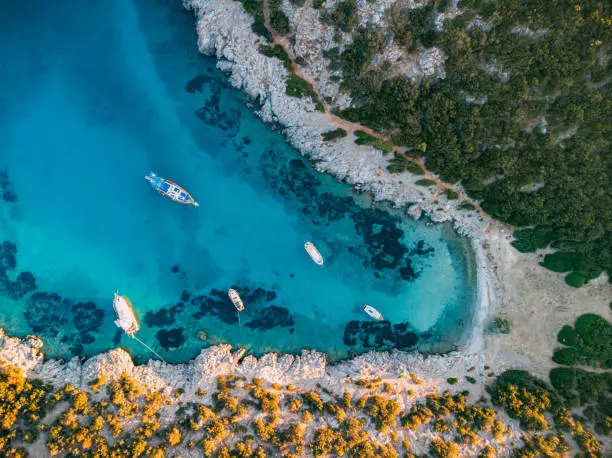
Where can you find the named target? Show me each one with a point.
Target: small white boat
(236, 300)
(314, 253)
(372, 312)
(126, 317)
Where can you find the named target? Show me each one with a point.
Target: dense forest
(521, 118)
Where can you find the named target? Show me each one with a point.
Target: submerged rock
(379, 335)
(271, 317)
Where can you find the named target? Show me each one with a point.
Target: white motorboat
(236, 300)
(314, 253)
(126, 317)
(372, 312)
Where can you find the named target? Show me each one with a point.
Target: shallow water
(92, 97)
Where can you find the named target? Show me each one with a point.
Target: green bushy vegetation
(279, 52)
(531, 239)
(499, 150)
(297, 87)
(278, 20)
(334, 134)
(255, 9)
(343, 15)
(502, 325)
(425, 182)
(399, 163)
(363, 138)
(588, 343)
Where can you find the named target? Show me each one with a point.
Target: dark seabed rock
(23, 285)
(8, 261)
(271, 317)
(211, 113)
(407, 272)
(6, 188)
(195, 84)
(381, 236)
(422, 249)
(117, 337)
(25, 282)
(170, 338)
(46, 313)
(86, 317)
(379, 335)
(164, 316)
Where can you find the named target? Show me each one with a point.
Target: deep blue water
(95, 94)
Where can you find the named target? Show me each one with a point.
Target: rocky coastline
(224, 31)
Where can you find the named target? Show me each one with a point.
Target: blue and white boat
(170, 189)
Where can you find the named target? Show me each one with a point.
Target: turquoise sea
(94, 95)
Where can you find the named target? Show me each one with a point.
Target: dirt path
(351, 127)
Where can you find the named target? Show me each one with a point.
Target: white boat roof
(125, 316)
(313, 252)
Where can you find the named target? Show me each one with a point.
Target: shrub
(566, 356)
(567, 336)
(590, 342)
(451, 380)
(342, 16)
(278, 19)
(278, 52)
(502, 325)
(369, 383)
(294, 404)
(347, 400)
(174, 437)
(334, 134)
(313, 399)
(298, 87)
(525, 398)
(383, 412)
(363, 138)
(268, 401)
(401, 163)
(451, 195)
(425, 182)
(444, 449)
(472, 380)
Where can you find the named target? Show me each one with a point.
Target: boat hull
(313, 253)
(372, 312)
(236, 300)
(170, 189)
(126, 316)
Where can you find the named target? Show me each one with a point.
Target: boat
(314, 253)
(170, 189)
(126, 317)
(372, 312)
(236, 300)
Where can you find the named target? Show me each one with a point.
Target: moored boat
(170, 189)
(126, 317)
(372, 312)
(236, 300)
(314, 253)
